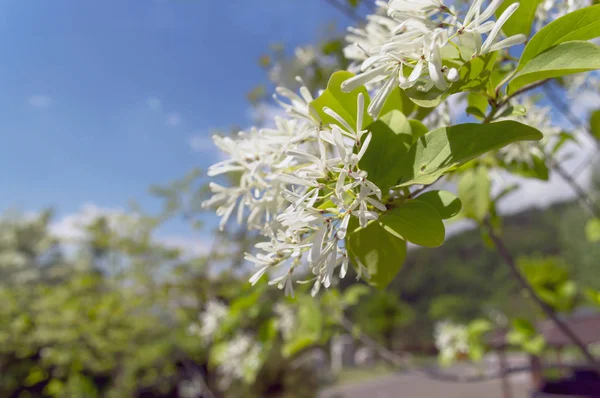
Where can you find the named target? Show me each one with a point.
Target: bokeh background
(114, 282)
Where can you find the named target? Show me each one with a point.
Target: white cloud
(71, 228)
(40, 100)
(153, 103)
(174, 119)
(189, 246)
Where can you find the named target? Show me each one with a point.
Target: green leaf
(391, 138)
(418, 129)
(416, 222)
(517, 110)
(535, 345)
(297, 344)
(310, 325)
(562, 60)
(474, 76)
(446, 148)
(522, 20)
(592, 230)
(445, 203)
(474, 192)
(564, 137)
(537, 169)
(582, 24)
(344, 104)
(398, 101)
(595, 124)
(353, 294)
(379, 251)
(477, 104)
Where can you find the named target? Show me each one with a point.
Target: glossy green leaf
(582, 24)
(445, 203)
(517, 110)
(418, 129)
(592, 230)
(398, 101)
(379, 251)
(564, 59)
(344, 104)
(474, 192)
(477, 104)
(390, 141)
(446, 148)
(595, 124)
(522, 19)
(416, 222)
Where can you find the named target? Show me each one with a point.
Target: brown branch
(504, 101)
(582, 195)
(549, 311)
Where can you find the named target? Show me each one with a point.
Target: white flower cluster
(451, 340)
(286, 320)
(209, 320)
(549, 10)
(241, 357)
(299, 185)
(421, 43)
(523, 151)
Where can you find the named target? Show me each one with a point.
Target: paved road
(418, 386)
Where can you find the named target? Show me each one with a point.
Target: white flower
(210, 319)
(450, 340)
(241, 356)
(549, 10)
(418, 51)
(489, 45)
(286, 321)
(524, 152)
(403, 6)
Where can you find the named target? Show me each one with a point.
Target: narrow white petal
(490, 10)
(376, 204)
(361, 79)
(360, 105)
(339, 186)
(377, 102)
(508, 42)
(290, 179)
(501, 21)
(315, 250)
(343, 228)
(364, 146)
(339, 119)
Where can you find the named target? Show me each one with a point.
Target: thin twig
(589, 202)
(567, 113)
(549, 311)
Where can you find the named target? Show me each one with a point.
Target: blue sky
(100, 98)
